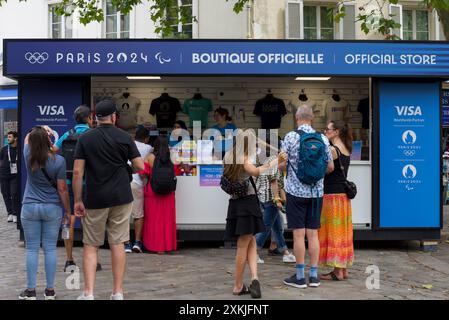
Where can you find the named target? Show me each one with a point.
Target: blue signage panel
(124, 57)
(409, 155)
(445, 104)
(210, 175)
(51, 103)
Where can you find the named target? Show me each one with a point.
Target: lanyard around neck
(9, 154)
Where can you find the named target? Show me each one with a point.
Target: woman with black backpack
(159, 229)
(244, 218)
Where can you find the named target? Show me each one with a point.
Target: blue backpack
(312, 163)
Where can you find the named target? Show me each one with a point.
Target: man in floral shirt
(303, 203)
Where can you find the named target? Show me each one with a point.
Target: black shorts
(303, 213)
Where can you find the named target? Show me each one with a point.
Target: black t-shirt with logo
(271, 110)
(107, 179)
(363, 108)
(5, 169)
(165, 109)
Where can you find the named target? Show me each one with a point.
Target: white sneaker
(259, 260)
(10, 218)
(14, 219)
(84, 297)
(288, 258)
(117, 296)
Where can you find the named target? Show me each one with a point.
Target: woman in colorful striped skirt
(336, 234)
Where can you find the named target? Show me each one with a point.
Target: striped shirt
(263, 182)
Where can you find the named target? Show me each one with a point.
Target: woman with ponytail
(45, 196)
(336, 234)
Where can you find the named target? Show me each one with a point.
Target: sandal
(242, 292)
(332, 275)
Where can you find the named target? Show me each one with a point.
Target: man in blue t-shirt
(83, 119)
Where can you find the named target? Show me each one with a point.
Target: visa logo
(408, 110)
(51, 110)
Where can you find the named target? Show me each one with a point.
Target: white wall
(216, 19)
(269, 19)
(143, 26)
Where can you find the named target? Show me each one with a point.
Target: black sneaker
(293, 282)
(68, 264)
(27, 295)
(254, 289)
(49, 294)
(274, 252)
(99, 268)
(314, 282)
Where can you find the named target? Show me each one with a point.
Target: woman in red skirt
(159, 229)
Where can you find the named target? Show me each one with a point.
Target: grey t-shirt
(38, 189)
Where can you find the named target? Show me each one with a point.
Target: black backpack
(163, 179)
(68, 151)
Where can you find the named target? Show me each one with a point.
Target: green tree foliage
(372, 14)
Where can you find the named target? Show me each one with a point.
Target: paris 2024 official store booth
(388, 91)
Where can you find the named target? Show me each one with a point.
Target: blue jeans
(41, 223)
(271, 220)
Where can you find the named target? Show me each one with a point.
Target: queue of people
(316, 203)
(109, 179)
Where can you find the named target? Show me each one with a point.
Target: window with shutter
(347, 26)
(395, 11)
(293, 19)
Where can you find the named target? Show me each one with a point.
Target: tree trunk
(444, 17)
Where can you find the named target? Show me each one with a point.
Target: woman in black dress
(244, 218)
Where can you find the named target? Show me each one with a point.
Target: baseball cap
(105, 108)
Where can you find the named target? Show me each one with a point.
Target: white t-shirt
(296, 103)
(128, 108)
(336, 110)
(145, 150)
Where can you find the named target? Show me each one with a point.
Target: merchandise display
(198, 109)
(336, 109)
(165, 109)
(270, 110)
(128, 108)
(363, 108)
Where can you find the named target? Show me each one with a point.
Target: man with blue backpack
(66, 147)
(309, 159)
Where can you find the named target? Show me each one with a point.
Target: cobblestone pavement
(207, 273)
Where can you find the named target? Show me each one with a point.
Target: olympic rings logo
(36, 57)
(409, 153)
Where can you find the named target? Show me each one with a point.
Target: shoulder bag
(350, 187)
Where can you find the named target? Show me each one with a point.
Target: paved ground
(206, 273)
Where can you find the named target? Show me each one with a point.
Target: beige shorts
(138, 203)
(114, 220)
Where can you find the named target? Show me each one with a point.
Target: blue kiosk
(404, 191)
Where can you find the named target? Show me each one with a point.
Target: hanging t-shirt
(317, 109)
(271, 110)
(165, 109)
(336, 110)
(127, 109)
(197, 110)
(363, 108)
